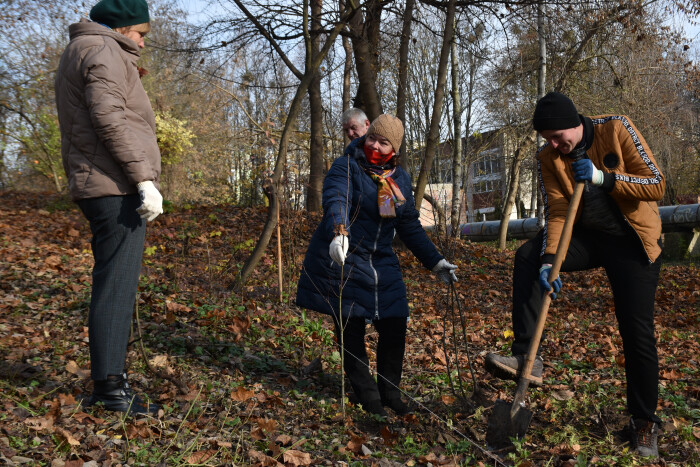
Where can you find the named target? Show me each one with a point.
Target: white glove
(151, 200)
(445, 271)
(338, 249)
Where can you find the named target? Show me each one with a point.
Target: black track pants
(633, 281)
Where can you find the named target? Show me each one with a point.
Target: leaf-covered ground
(247, 378)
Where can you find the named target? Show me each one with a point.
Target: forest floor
(244, 377)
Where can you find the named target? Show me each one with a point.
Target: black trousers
(118, 235)
(390, 351)
(633, 281)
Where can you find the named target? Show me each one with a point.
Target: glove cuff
(545, 266)
(598, 177)
(145, 184)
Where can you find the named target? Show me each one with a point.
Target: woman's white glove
(151, 200)
(338, 249)
(445, 271)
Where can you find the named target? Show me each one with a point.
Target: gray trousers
(118, 235)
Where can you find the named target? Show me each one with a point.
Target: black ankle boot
(397, 405)
(116, 395)
(374, 406)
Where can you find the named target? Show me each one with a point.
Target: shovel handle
(562, 248)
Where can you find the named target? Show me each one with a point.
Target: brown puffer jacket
(617, 149)
(108, 136)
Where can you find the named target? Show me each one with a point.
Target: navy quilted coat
(372, 285)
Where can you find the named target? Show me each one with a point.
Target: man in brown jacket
(617, 227)
(111, 157)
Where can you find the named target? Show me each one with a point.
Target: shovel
(509, 421)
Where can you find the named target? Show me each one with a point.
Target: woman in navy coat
(350, 264)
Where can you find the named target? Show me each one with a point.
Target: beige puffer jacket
(619, 149)
(108, 138)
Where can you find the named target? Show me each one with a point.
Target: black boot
(390, 351)
(357, 366)
(374, 407)
(116, 395)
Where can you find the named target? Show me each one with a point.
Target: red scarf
(376, 158)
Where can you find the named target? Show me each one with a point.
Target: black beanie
(555, 111)
(120, 13)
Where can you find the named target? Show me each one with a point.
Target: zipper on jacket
(376, 276)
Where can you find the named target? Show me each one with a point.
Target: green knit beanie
(120, 13)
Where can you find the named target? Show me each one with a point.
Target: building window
(486, 186)
(489, 163)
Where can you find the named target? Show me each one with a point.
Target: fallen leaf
(242, 394)
(73, 368)
(67, 436)
(448, 399)
(440, 356)
(389, 436)
(265, 461)
(294, 457)
(39, 423)
(82, 417)
(176, 307)
(53, 261)
(267, 424)
(200, 457)
(671, 375)
(562, 394)
(355, 443)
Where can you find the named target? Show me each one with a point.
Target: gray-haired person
(355, 123)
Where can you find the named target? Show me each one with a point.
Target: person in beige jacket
(112, 161)
(617, 227)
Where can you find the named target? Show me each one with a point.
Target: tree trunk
(365, 63)
(512, 189)
(441, 221)
(316, 166)
(457, 146)
(467, 150)
(347, 72)
(434, 132)
(403, 69)
(541, 86)
(510, 200)
(535, 185)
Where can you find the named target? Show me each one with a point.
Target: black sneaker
(645, 437)
(116, 395)
(510, 367)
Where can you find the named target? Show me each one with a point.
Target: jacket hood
(89, 28)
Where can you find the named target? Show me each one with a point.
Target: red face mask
(376, 158)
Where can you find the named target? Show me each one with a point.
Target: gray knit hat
(389, 127)
(555, 111)
(120, 13)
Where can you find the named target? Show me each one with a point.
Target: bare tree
(316, 162)
(433, 136)
(457, 145)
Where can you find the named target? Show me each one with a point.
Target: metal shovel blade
(504, 425)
